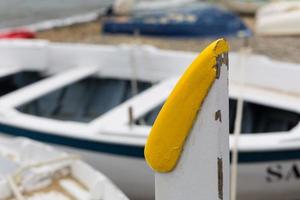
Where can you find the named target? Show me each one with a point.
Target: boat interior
(84, 100)
(256, 118)
(16, 81)
(87, 99)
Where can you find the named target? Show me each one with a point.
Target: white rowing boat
(279, 18)
(245, 6)
(34, 171)
(100, 102)
(251, 6)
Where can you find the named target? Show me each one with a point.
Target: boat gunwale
(131, 135)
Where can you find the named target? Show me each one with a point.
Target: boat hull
(192, 21)
(269, 180)
(262, 174)
(256, 180)
(279, 19)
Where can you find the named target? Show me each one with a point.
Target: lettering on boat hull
(279, 173)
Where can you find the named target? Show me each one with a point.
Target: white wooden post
(202, 171)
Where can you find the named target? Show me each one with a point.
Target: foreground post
(188, 146)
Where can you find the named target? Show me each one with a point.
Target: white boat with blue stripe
(101, 101)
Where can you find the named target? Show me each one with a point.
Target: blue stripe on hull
(136, 151)
(268, 156)
(104, 147)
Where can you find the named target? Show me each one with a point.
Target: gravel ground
(279, 48)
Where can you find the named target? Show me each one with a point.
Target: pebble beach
(279, 48)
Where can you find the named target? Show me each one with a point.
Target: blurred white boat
(279, 18)
(100, 102)
(33, 171)
(245, 6)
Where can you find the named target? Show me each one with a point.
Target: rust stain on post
(220, 178)
(218, 116)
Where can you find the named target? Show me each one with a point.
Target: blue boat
(194, 20)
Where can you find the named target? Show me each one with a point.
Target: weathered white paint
(196, 174)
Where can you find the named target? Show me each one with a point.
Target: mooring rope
(17, 174)
(237, 126)
(14, 188)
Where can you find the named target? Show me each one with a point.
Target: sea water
(14, 13)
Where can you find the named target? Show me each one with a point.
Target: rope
(17, 174)
(237, 128)
(15, 190)
(134, 84)
(16, 177)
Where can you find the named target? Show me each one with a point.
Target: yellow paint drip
(177, 116)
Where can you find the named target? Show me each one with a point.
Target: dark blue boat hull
(208, 21)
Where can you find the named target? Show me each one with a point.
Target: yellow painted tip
(219, 46)
(176, 118)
